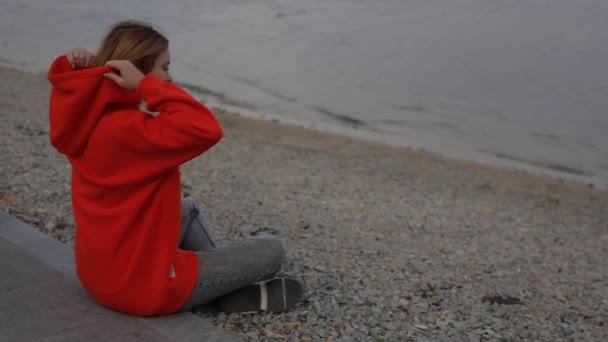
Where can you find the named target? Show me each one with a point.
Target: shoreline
(481, 157)
(321, 140)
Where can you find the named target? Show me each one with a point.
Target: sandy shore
(393, 244)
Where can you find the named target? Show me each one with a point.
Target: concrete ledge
(50, 295)
(56, 254)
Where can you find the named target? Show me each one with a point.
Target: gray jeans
(226, 268)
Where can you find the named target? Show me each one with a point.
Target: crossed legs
(225, 269)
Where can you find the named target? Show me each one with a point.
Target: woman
(139, 248)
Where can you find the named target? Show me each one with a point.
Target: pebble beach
(393, 244)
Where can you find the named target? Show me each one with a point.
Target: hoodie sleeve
(183, 129)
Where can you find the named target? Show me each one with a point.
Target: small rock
(50, 226)
(421, 327)
(319, 268)
(389, 326)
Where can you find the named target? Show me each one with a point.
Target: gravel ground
(393, 244)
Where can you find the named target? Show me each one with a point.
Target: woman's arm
(183, 129)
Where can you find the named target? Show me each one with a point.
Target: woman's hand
(129, 76)
(80, 58)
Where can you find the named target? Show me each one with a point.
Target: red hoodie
(126, 190)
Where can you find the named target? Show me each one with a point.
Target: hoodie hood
(79, 99)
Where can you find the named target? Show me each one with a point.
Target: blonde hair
(135, 41)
